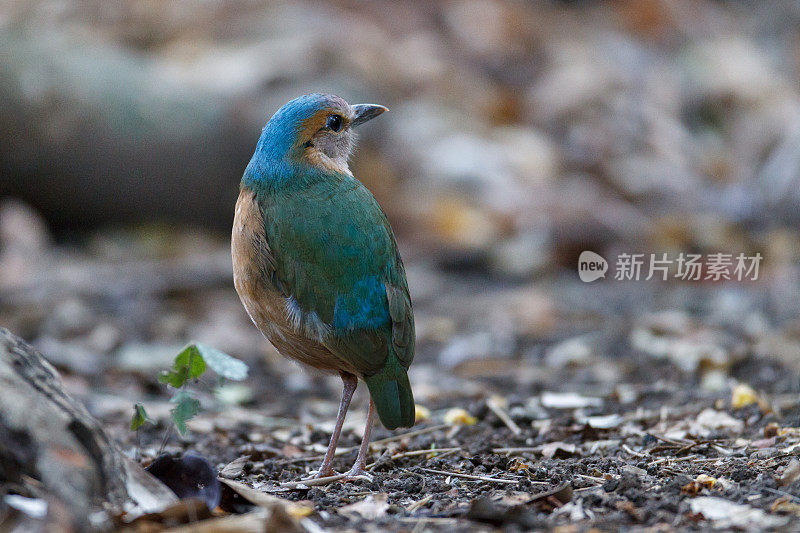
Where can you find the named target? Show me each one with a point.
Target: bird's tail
(391, 393)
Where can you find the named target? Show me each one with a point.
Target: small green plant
(140, 417)
(189, 365)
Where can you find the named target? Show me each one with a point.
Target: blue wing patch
(364, 307)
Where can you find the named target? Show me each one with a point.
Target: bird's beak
(365, 112)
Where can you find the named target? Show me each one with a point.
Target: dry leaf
(726, 514)
(785, 505)
(791, 474)
(459, 416)
(706, 481)
(568, 400)
(742, 396)
(711, 419)
(602, 422)
(370, 508)
(421, 413)
(558, 450)
(262, 499)
(258, 521)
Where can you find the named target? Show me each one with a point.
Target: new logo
(591, 266)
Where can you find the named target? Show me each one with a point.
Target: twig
(633, 452)
(593, 487)
(468, 476)
(673, 459)
(782, 493)
(428, 519)
(318, 481)
(378, 444)
(670, 441)
(414, 453)
(492, 404)
(529, 449)
(445, 454)
(592, 478)
(419, 503)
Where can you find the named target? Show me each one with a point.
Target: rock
(49, 444)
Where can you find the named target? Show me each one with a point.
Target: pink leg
(359, 468)
(350, 383)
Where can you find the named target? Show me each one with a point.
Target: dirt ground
(548, 404)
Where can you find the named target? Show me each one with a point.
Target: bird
(316, 264)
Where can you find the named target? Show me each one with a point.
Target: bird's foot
(319, 480)
(358, 472)
(324, 472)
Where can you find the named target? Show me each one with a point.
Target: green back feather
(334, 252)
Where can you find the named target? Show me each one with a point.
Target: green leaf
(222, 363)
(189, 364)
(186, 407)
(139, 418)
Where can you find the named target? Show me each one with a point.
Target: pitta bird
(316, 264)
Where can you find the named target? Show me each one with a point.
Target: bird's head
(314, 129)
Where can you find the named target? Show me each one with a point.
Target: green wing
(335, 255)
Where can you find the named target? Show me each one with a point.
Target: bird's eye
(334, 123)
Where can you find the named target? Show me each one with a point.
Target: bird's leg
(360, 466)
(350, 383)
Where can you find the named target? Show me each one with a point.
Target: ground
(543, 404)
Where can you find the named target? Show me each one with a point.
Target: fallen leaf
(568, 400)
(742, 396)
(602, 422)
(370, 508)
(483, 509)
(710, 419)
(518, 465)
(235, 468)
(706, 480)
(262, 499)
(726, 514)
(702, 481)
(791, 474)
(692, 488)
(558, 450)
(421, 413)
(764, 443)
(182, 512)
(785, 505)
(273, 520)
(549, 500)
(33, 507)
(459, 416)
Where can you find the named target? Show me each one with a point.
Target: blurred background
(520, 134)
